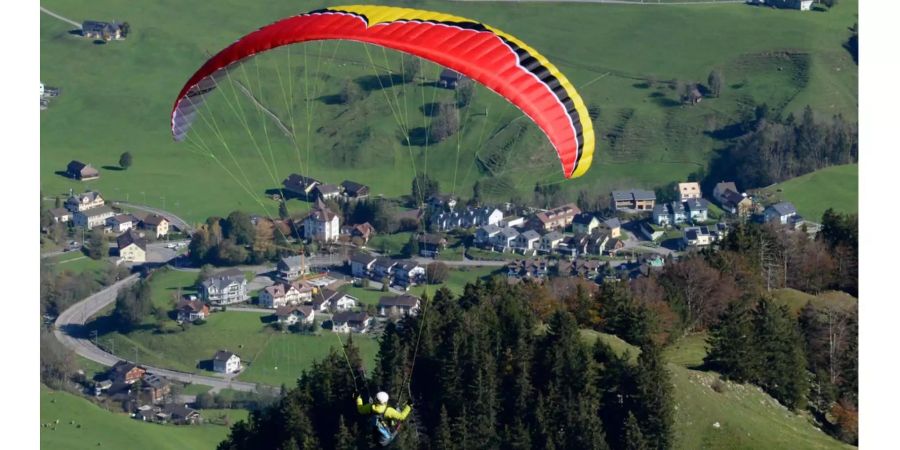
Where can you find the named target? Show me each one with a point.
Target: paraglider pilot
(385, 419)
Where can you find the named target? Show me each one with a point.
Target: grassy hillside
(796, 300)
(96, 427)
(833, 187)
(624, 59)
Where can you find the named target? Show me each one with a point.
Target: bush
(200, 322)
(719, 386)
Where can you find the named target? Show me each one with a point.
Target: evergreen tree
(239, 228)
(125, 160)
(653, 397)
(344, 439)
(634, 438)
(97, 246)
(411, 248)
(715, 82)
(778, 341)
(622, 316)
(444, 438)
(731, 345)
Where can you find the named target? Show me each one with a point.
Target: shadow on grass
(376, 82)
(727, 132)
(430, 109)
(99, 42)
(331, 99)
(417, 136)
(206, 364)
(63, 174)
(77, 32)
(643, 85)
(113, 168)
(666, 102)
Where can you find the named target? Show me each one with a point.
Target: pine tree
(654, 397)
(777, 339)
(443, 436)
(731, 343)
(634, 438)
(344, 439)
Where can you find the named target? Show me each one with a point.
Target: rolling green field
(103, 429)
(795, 300)
(624, 60)
(834, 187)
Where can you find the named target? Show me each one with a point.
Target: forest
(507, 366)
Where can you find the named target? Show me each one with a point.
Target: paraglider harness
(385, 430)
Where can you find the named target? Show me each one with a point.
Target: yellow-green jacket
(383, 410)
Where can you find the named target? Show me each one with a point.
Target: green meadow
(624, 59)
(834, 187)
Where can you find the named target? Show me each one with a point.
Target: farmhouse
(346, 322)
(300, 185)
(84, 201)
(326, 191)
(61, 215)
(94, 217)
(81, 171)
(322, 224)
(633, 200)
(450, 79)
(156, 387)
(363, 231)
(290, 315)
(120, 223)
(398, 305)
(555, 219)
(729, 198)
(687, 191)
(362, 264)
(353, 190)
(291, 267)
(191, 310)
(126, 372)
(224, 288)
(92, 29)
(430, 245)
(132, 247)
(178, 413)
(157, 224)
(226, 362)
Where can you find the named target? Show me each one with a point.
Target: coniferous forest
(508, 366)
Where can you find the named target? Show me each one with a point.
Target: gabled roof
(509, 232)
(612, 222)
(349, 316)
(726, 185)
(406, 266)
(584, 219)
(304, 310)
(223, 355)
(119, 219)
(432, 239)
(784, 208)
(490, 229)
(354, 188)
(154, 220)
(697, 204)
(155, 381)
(190, 305)
(84, 197)
(530, 235)
(292, 262)
(553, 236)
(321, 212)
(129, 237)
(224, 278)
(363, 258)
(296, 181)
(327, 189)
(404, 300)
(732, 197)
(60, 212)
(385, 262)
(98, 211)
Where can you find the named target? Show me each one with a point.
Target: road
(621, 2)
(64, 19)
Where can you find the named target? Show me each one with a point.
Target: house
(529, 240)
(584, 223)
(322, 224)
(555, 219)
(408, 273)
(398, 305)
(293, 314)
(649, 232)
(802, 5)
(582, 244)
(527, 268)
(442, 201)
(672, 213)
(120, 223)
(300, 185)
(157, 224)
(484, 235)
(704, 235)
(81, 171)
(280, 294)
(578, 268)
(488, 216)
(505, 238)
(780, 213)
(179, 413)
(697, 209)
(291, 267)
(224, 288)
(94, 217)
(132, 247)
(613, 246)
(430, 245)
(84, 201)
(126, 372)
(347, 321)
(363, 231)
(362, 264)
(736, 203)
(614, 226)
(353, 190)
(687, 191)
(93, 29)
(633, 200)
(450, 79)
(551, 241)
(343, 302)
(156, 387)
(511, 221)
(226, 362)
(326, 191)
(383, 268)
(61, 215)
(721, 188)
(191, 310)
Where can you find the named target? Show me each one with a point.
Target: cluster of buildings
(154, 394)
(404, 273)
(312, 189)
(94, 29)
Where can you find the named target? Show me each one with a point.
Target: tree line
(487, 375)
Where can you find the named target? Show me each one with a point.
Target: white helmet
(382, 397)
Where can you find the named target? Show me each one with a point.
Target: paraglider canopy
(485, 54)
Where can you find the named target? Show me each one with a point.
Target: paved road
(64, 19)
(180, 223)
